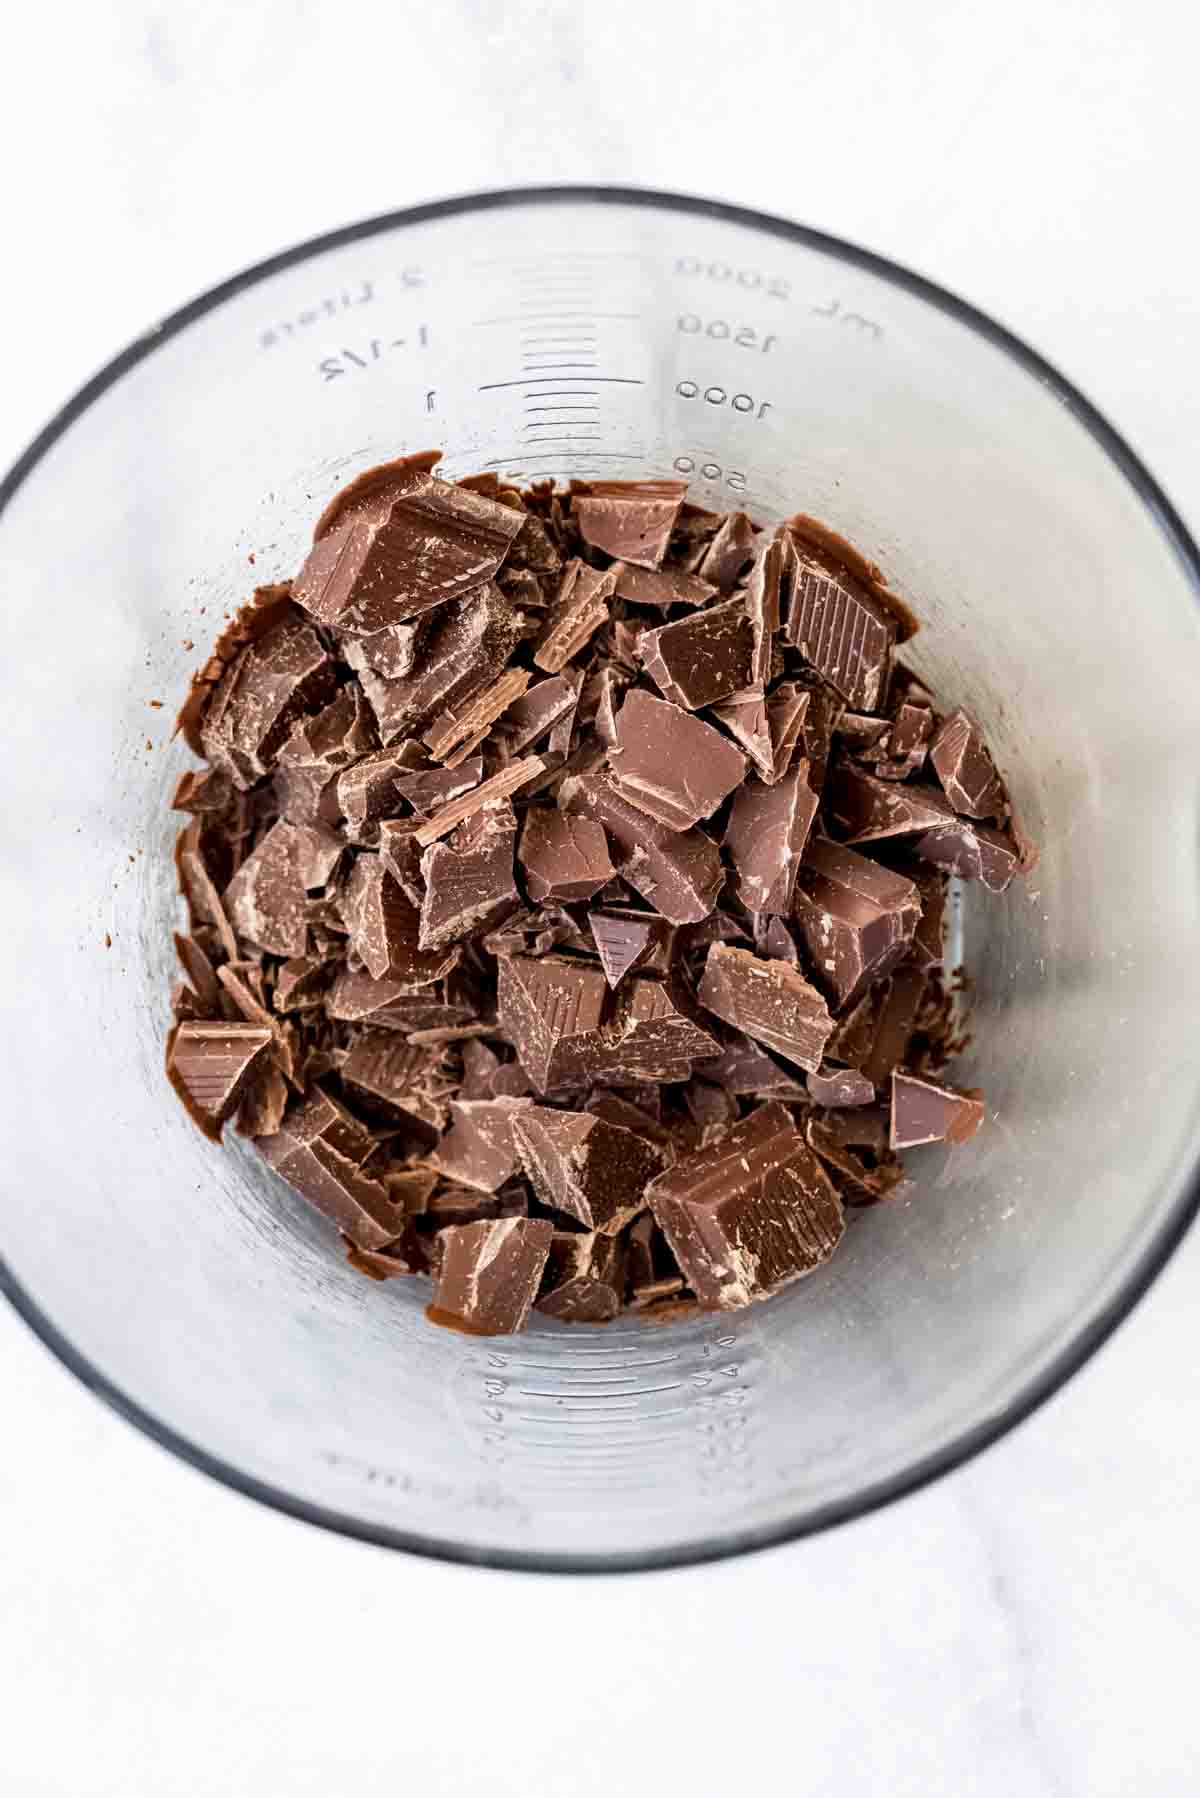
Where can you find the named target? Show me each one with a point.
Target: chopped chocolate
(810, 535)
(198, 887)
(769, 1000)
(765, 837)
(746, 719)
(628, 940)
(907, 742)
(866, 808)
(599, 703)
(670, 764)
(400, 1257)
(211, 1065)
(861, 1178)
(469, 642)
(400, 853)
(839, 628)
(488, 1274)
(729, 552)
(840, 1087)
(200, 974)
(929, 938)
(264, 1103)
(564, 857)
(517, 774)
(265, 900)
(679, 873)
(581, 1164)
(924, 1112)
(535, 713)
(746, 1070)
(385, 928)
(202, 790)
(584, 1278)
(320, 1151)
(468, 879)
(899, 1004)
(258, 699)
(366, 791)
(317, 750)
(857, 918)
(580, 607)
(356, 998)
(391, 652)
(428, 789)
(663, 587)
(762, 606)
(965, 768)
(630, 520)
(480, 1149)
(973, 852)
(394, 1080)
(301, 983)
(409, 1188)
(453, 731)
(700, 659)
(748, 1214)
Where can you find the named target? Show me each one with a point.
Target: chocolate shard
(398, 1082)
(407, 548)
(838, 1088)
(765, 838)
(663, 587)
(746, 719)
(320, 1151)
(679, 873)
(671, 764)
(564, 857)
(373, 487)
(258, 699)
(857, 918)
(929, 939)
(553, 1011)
(745, 1070)
(628, 940)
(699, 660)
(318, 852)
(428, 789)
(410, 1187)
(535, 713)
(923, 1112)
(210, 1066)
(729, 551)
(839, 627)
(264, 1103)
(480, 1148)
(469, 882)
(404, 1256)
(385, 928)
(316, 752)
(867, 808)
(630, 520)
(265, 900)
(762, 607)
(875, 1035)
(200, 790)
(259, 616)
(908, 742)
(471, 721)
(391, 652)
(584, 1278)
(600, 700)
(582, 1165)
(356, 998)
(400, 853)
(580, 607)
(973, 852)
(489, 792)
(301, 982)
(769, 1000)
(488, 1275)
(750, 1213)
(469, 643)
(858, 1158)
(366, 791)
(200, 974)
(965, 768)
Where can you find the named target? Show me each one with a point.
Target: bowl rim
(1090, 1334)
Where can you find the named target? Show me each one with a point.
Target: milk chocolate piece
(409, 1188)
(626, 940)
(923, 1111)
(749, 1214)
(403, 551)
(867, 808)
(765, 837)
(318, 851)
(260, 614)
(317, 750)
(584, 1278)
(671, 764)
(679, 873)
(399, 1257)
(320, 1151)
(965, 768)
(857, 918)
(907, 742)
(564, 857)
(631, 520)
(895, 1019)
(264, 1103)
(600, 702)
(428, 789)
(258, 699)
(397, 1081)
(929, 937)
(972, 851)
(391, 652)
(468, 879)
(700, 659)
(385, 928)
(840, 1087)
(480, 1149)
(664, 587)
(535, 713)
(745, 1069)
(762, 606)
(554, 1013)
(374, 487)
(301, 982)
(499, 786)
(582, 1165)
(862, 1178)
(265, 899)
(488, 1275)
(469, 643)
(210, 1066)
(770, 1000)
(729, 552)
(201, 976)
(400, 853)
(580, 607)
(366, 791)
(458, 730)
(202, 790)
(839, 628)
(746, 719)
(356, 998)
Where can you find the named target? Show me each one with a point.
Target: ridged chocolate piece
(765, 838)
(627, 940)
(489, 792)
(838, 627)
(699, 660)
(210, 1066)
(586, 1167)
(679, 873)
(580, 608)
(630, 520)
(857, 918)
(488, 1274)
(769, 1000)
(468, 880)
(399, 1082)
(671, 764)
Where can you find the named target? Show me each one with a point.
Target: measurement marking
(572, 338)
(567, 455)
(597, 1366)
(638, 1433)
(558, 316)
(610, 380)
(532, 258)
(536, 368)
(561, 409)
(643, 1392)
(575, 437)
(564, 393)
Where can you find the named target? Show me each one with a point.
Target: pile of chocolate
(565, 883)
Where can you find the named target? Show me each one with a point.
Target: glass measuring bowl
(573, 332)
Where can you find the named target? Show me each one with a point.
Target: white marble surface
(1029, 1626)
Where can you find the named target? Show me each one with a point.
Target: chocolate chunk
(564, 857)
(428, 789)
(679, 873)
(533, 716)
(356, 998)
(508, 780)
(469, 881)
(401, 552)
(580, 1164)
(670, 764)
(488, 1275)
(400, 853)
(966, 770)
(580, 607)
(210, 1066)
(811, 535)
(973, 852)
(701, 659)
(366, 791)
(391, 652)
(711, 1108)
(480, 1149)
(200, 790)
(907, 742)
(924, 1112)
(838, 1087)
(729, 551)
(398, 1082)
(600, 701)
(929, 937)
(201, 976)
(745, 1069)
(258, 699)
(895, 1017)
(409, 1188)
(320, 1151)
(457, 731)
(318, 852)
(300, 983)
(317, 750)
(664, 587)
(385, 928)
(584, 1278)
(817, 726)
(839, 628)
(630, 520)
(373, 487)
(857, 918)
(265, 899)
(862, 1178)
(747, 1215)
(469, 643)
(554, 1013)
(745, 718)
(454, 1205)
(264, 1103)
(867, 808)
(770, 1000)
(626, 940)
(400, 1257)
(762, 607)
(767, 830)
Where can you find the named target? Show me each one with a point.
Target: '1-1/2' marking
(330, 367)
